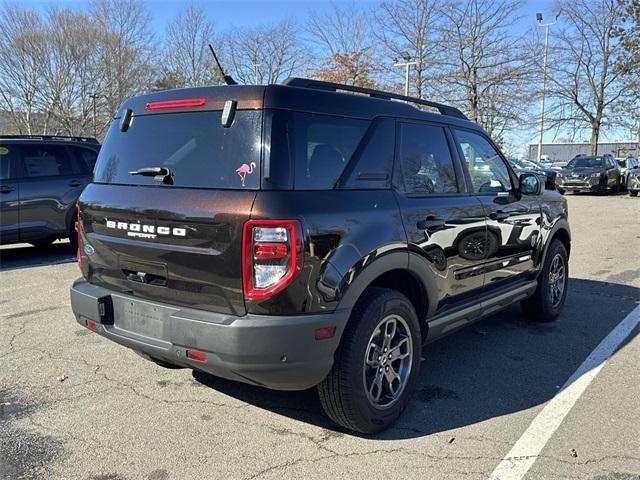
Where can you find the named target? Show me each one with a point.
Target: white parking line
(526, 450)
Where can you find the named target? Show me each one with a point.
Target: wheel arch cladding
(397, 271)
(562, 234)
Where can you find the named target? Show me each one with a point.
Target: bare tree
(411, 27)
(70, 72)
(187, 58)
(486, 70)
(127, 51)
(585, 83)
(265, 54)
(20, 56)
(342, 44)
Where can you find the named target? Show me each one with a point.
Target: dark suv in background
(309, 234)
(41, 178)
(597, 174)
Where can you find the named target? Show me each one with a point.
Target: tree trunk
(595, 135)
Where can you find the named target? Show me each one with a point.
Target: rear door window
(5, 161)
(426, 165)
(85, 160)
(194, 146)
(318, 147)
(40, 160)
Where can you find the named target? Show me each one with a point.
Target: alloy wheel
(388, 360)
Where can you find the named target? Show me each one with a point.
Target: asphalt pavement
(75, 406)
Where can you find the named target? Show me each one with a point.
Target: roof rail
(49, 137)
(336, 87)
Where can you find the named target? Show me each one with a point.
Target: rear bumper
(278, 352)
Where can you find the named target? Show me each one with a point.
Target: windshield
(622, 163)
(586, 162)
(194, 146)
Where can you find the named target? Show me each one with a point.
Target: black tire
(561, 191)
(616, 187)
(44, 243)
(633, 193)
(540, 306)
(343, 393)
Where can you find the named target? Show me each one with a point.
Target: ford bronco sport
(309, 234)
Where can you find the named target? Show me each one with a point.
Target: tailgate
(176, 245)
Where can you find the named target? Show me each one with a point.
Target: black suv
(309, 234)
(590, 174)
(41, 178)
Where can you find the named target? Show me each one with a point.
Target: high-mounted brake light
(272, 253)
(178, 103)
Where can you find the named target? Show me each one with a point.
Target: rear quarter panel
(343, 231)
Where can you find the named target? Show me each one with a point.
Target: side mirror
(530, 184)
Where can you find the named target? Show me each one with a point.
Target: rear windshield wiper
(160, 174)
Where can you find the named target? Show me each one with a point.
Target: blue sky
(228, 13)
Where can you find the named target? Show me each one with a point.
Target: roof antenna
(227, 78)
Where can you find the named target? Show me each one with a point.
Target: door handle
(6, 189)
(431, 223)
(499, 215)
(75, 183)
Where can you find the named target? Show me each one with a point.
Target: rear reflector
(178, 103)
(325, 332)
(198, 356)
(90, 325)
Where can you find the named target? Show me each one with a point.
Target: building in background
(561, 152)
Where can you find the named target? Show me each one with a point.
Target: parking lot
(75, 406)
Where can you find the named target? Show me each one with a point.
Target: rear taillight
(272, 253)
(79, 237)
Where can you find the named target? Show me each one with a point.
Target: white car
(626, 165)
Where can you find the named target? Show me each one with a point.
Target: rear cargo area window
(194, 146)
(318, 147)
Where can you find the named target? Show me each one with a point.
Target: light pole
(407, 63)
(544, 73)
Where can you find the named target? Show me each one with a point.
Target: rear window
(315, 147)
(194, 146)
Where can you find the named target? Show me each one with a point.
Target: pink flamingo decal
(244, 169)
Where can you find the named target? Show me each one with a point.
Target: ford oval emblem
(88, 249)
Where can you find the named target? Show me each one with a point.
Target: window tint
(318, 147)
(489, 173)
(426, 165)
(45, 160)
(373, 160)
(85, 160)
(5, 160)
(193, 146)
(588, 162)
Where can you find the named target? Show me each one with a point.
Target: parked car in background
(547, 175)
(626, 165)
(41, 178)
(633, 182)
(295, 235)
(589, 174)
(559, 165)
